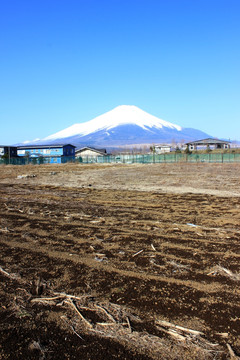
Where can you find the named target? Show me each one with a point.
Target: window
(21, 152)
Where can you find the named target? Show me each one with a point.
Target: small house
(90, 151)
(162, 148)
(90, 154)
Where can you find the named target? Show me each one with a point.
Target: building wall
(51, 155)
(40, 152)
(206, 146)
(162, 149)
(68, 150)
(88, 152)
(4, 151)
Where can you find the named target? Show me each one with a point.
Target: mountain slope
(124, 125)
(121, 115)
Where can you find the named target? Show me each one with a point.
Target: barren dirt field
(120, 261)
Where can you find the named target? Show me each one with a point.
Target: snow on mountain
(121, 115)
(124, 125)
(30, 142)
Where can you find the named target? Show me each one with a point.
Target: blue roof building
(57, 153)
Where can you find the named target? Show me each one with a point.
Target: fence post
(9, 156)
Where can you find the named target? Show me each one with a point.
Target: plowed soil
(101, 262)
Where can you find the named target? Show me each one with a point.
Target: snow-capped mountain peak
(121, 115)
(125, 125)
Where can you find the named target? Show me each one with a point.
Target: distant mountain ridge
(124, 125)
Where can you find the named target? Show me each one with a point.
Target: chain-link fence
(128, 159)
(37, 160)
(161, 158)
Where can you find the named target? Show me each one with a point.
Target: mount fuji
(124, 125)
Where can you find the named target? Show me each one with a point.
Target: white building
(89, 151)
(162, 148)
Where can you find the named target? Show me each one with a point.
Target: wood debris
(74, 306)
(119, 323)
(181, 328)
(153, 247)
(231, 353)
(220, 270)
(181, 333)
(10, 276)
(137, 253)
(4, 230)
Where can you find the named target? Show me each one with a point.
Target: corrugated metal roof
(43, 146)
(7, 146)
(102, 151)
(208, 141)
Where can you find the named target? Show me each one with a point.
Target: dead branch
(106, 313)
(174, 334)
(137, 253)
(47, 299)
(107, 324)
(4, 272)
(64, 295)
(231, 353)
(153, 262)
(225, 272)
(178, 266)
(86, 308)
(153, 247)
(8, 208)
(63, 318)
(183, 329)
(4, 230)
(87, 323)
(223, 335)
(129, 325)
(10, 276)
(76, 333)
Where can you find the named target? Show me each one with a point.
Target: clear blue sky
(68, 61)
